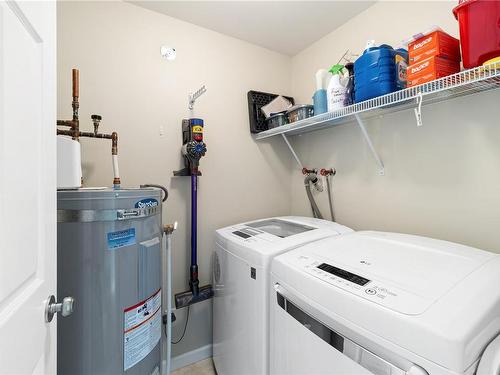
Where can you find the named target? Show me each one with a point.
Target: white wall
(116, 47)
(442, 180)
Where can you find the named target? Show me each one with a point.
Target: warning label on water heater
(141, 330)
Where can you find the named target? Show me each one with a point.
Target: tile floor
(205, 367)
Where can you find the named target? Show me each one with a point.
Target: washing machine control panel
(365, 287)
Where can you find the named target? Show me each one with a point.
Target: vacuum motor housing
(193, 147)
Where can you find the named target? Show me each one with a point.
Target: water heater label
(141, 330)
(145, 203)
(121, 238)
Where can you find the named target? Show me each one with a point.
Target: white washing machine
(386, 304)
(243, 255)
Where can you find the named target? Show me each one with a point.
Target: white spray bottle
(336, 92)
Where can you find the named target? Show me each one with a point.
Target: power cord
(183, 331)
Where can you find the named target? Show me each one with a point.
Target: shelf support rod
(296, 157)
(370, 145)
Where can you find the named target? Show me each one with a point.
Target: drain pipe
(311, 177)
(328, 174)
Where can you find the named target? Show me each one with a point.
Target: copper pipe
(93, 135)
(65, 132)
(114, 143)
(75, 104)
(86, 135)
(76, 83)
(69, 123)
(74, 124)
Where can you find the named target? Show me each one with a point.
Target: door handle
(65, 308)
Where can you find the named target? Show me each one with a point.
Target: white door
(27, 186)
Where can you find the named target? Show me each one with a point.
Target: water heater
(109, 260)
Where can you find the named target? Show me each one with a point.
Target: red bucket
(479, 22)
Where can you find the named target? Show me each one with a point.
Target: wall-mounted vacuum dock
(193, 149)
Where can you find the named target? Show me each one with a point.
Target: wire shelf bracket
(418, 110)
(295, 156)
(378, 160)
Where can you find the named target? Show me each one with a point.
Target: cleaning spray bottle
(319, 97)
(349, 95)
(336, 92)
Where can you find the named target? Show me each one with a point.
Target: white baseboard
(191, 357)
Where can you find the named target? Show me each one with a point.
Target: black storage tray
(256, 100)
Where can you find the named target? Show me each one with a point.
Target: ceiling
(283, 26)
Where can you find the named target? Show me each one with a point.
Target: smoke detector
(168, 53)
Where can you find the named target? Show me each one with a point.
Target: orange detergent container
(430, 69)
(479, 22)
(437, 43)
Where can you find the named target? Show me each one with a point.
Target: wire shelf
(468, 82)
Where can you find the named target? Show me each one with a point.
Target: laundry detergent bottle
(336, 92)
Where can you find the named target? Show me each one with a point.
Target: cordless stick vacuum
(193, 148)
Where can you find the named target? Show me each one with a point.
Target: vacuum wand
(193, 279)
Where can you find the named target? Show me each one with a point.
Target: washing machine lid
(260, 240)
(437, 299)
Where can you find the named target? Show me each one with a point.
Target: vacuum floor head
(187, 298)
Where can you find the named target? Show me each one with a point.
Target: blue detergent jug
(379, 71)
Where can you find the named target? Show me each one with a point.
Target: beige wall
(442, 180)
(116, 46)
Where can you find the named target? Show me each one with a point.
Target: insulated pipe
(114, 157)
(116, 172)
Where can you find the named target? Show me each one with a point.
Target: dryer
(386, 304)
(243, 254)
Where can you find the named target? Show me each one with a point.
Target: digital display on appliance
(241, 234)
(346, 275)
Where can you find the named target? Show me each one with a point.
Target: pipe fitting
(169, 228)
(309, 171)
(96, 120)
(114, 143)
(328, 172)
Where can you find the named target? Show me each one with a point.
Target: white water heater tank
(69, 163)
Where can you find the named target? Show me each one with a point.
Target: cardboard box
(437, 43)
(430, 69)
